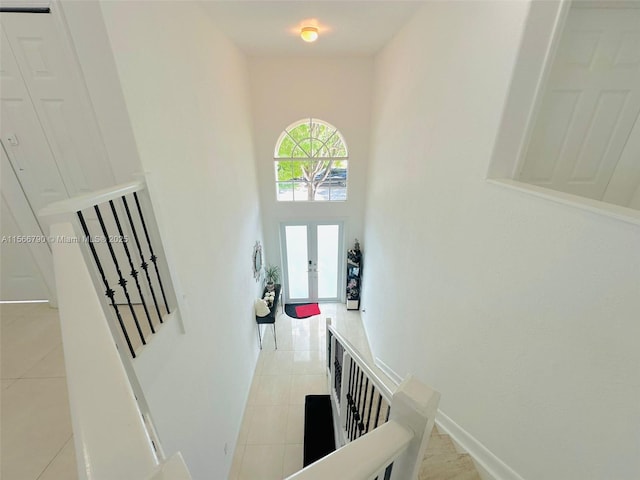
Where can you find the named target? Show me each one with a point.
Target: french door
(313, 257)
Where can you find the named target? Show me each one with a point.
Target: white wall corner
(489, 466)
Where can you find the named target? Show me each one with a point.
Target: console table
(271, 316)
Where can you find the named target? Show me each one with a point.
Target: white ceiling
(348, 27)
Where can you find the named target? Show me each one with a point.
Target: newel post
(414, 406)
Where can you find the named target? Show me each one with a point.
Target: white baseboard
(388, 371)
(492, 467)
(488, 465)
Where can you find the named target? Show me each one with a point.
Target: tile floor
(36, 435)
(270, 442)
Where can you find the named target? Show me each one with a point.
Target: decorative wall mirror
(257, 260)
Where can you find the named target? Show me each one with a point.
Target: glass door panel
(297, 257)
(313, 255)
(328, 249)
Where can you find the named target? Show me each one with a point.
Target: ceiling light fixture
(309, 34)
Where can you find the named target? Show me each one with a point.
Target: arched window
(311, 160)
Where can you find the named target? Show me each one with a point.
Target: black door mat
(319, 440)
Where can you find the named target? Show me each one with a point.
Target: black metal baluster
(337, 381)
(353, 399)
(388, 412)
(338, 370)
(109, 292)
(352, 384)
(153, 257)
(375, 425)
(373, 391)
(356, 405)
(349, 389)
(121, 280)
(387, 472)
(134, 272)
(143, 264)
(347, 396)
(329, 336)
(363, 405)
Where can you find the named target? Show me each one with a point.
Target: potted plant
(272, 276)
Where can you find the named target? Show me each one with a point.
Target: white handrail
(363, 458)
(80, 202)
(385, 390)
(412, 406)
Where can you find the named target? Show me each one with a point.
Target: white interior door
(24, 139)
(312, 257)
(590, 104)
(26, 268)
(48, 129)
(51, 76)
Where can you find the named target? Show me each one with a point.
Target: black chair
(271, 317)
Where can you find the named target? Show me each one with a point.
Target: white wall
(337, 90)
(186, 90)
(521, 311)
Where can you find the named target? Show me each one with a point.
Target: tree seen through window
(311, 161)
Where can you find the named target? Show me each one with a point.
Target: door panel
(626, 179)
(328, 244)
(48, 69)
(49, 132)
(590, 104)
(24, 140)
(26, 268)
(297, 261)
(20, 277)
(312, 259)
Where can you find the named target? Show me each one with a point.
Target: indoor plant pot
(272, 276)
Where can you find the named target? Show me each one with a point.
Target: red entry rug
(304, 310)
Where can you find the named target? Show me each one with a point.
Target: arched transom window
(311, 160)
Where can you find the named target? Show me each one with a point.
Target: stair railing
(118, 232)
(102, 244)
(382, 433)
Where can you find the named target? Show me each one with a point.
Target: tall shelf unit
(354, 275)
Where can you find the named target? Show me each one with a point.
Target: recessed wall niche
(570, 127)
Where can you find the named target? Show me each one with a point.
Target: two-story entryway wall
(520, 307)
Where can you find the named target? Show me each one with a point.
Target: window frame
(311, 153)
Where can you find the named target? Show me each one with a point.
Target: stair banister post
(414, 406)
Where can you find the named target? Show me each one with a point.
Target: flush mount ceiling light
(309, 34)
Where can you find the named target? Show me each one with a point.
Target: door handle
(12, 140)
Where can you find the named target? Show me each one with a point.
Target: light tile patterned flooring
(36, 435)
(269, 446)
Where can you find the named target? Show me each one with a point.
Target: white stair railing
(363, 459)
(381, 434)
(113, 432)
(118, 233)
